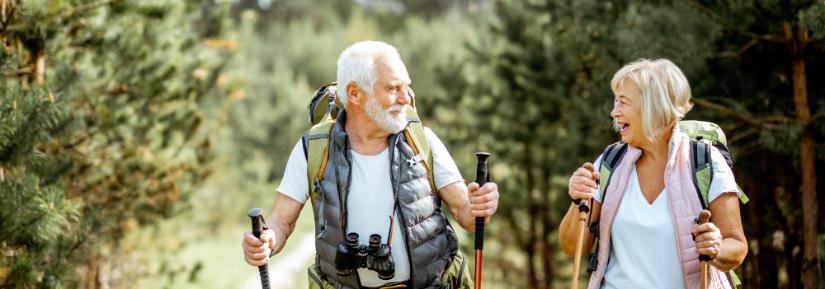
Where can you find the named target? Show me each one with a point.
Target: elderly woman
(645, 216)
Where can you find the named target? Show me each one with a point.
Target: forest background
(134, 135)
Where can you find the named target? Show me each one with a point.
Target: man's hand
(256, 251)
(484, 200)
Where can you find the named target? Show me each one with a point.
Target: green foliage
(106, 140)
(536, 94)
(144, 102)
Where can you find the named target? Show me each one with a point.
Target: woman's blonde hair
(664, 92)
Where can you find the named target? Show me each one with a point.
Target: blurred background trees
(100, 132)
(135, 134)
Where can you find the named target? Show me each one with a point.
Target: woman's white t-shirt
(644, 252)
(370, 201)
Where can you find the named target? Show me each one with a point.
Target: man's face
(387, 104)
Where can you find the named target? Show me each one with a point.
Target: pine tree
(772, 52)
(99, 130)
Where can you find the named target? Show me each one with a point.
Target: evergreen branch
(18, 72)
(86, 7)
(763, 122)
(730, 27)
(817, 116)
(777, 118)
(739, 53)
(818, 43)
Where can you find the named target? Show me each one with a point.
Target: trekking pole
(704, 217)
(258, 226)
(481, 178)
(584, 210)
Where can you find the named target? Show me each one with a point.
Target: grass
(186, 252)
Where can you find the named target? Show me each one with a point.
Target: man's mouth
(396, 109)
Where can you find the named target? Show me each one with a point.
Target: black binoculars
(375, 256)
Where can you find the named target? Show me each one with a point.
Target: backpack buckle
(415, 160)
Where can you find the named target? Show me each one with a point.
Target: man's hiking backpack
(323, 113)
(702, 136)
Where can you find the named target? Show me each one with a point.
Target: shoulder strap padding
(611, 157)
(702, 168)
(316, 140)
(414, 134)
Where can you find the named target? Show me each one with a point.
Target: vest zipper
(394, 181)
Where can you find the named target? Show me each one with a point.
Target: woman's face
(627, 113)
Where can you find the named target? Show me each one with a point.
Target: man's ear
(354, 93)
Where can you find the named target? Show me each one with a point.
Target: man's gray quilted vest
(431, 241)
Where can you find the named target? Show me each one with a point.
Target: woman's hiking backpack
(702, 135)
(323, 112)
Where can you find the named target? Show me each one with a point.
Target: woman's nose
(614, 112)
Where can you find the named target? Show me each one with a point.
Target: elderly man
(374, 185)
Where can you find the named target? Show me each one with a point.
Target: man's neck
(366, 137)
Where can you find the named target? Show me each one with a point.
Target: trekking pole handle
(704, 217)
(583, 207)
(482, 176)
(258, 226)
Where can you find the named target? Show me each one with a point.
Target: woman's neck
(657, 150)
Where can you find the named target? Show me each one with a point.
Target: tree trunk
(91, 274)
(807, 162)
(530, 246)
(38, 60)
(547, 223)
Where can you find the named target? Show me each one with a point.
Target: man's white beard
(383, 117)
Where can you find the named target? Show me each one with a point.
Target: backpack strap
(316, 143)
(414, 134)
(702, 169)
(611, 157)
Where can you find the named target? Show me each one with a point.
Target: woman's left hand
(708, 239)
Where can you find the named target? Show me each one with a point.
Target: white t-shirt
(370, 202)
(644, 253)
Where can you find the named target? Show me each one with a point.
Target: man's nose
(403, 97)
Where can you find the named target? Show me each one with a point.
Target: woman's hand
(708, 239)
(582, 184)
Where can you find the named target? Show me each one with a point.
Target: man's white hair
(357, 64)
(664, 92)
